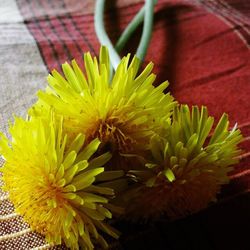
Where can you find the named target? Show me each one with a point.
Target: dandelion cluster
(55, 188)
(186, 166)
(123, 112)
(93, 140)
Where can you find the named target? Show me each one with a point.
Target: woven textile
(201, 47)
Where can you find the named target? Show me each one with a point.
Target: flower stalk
(147, 30)
(146, 14)
(130, 29)
(102, 34)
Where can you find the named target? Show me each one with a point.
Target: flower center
(114, 136)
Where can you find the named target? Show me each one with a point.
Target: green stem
(147, 30)
(130, 29)
(102, 35)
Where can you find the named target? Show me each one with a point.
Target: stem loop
(131, 28)
(147, 29)
(102, 35)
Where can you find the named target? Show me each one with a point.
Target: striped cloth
(200, 46)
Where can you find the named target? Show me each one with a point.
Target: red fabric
(201, 47)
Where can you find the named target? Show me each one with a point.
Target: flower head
(123, 112)
(53, 187)
(187, 166)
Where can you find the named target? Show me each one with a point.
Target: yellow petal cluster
(93, 138)
(53, 187)
(187, 165)
(123, 111)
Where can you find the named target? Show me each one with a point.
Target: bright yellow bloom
(123, 112)
(187, 166)
(53, 187)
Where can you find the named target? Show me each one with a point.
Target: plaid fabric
(201, 47)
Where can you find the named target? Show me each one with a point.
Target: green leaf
(100, 160)
(89, 150)
(220, 128)
(169, 174)
(110, 175)
(69, 160)
(77, 144)
(85, 179)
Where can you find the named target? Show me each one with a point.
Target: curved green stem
(130, 29)
(102, 35)
(147, 30)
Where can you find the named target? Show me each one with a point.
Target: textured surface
(201, 47)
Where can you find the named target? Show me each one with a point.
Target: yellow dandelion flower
(187, 166)
(54, 188)
(122, 112)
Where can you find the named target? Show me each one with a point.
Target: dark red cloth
(201, 47)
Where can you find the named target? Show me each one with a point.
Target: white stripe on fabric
(22, 70)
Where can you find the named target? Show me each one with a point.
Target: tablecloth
(200, 46)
